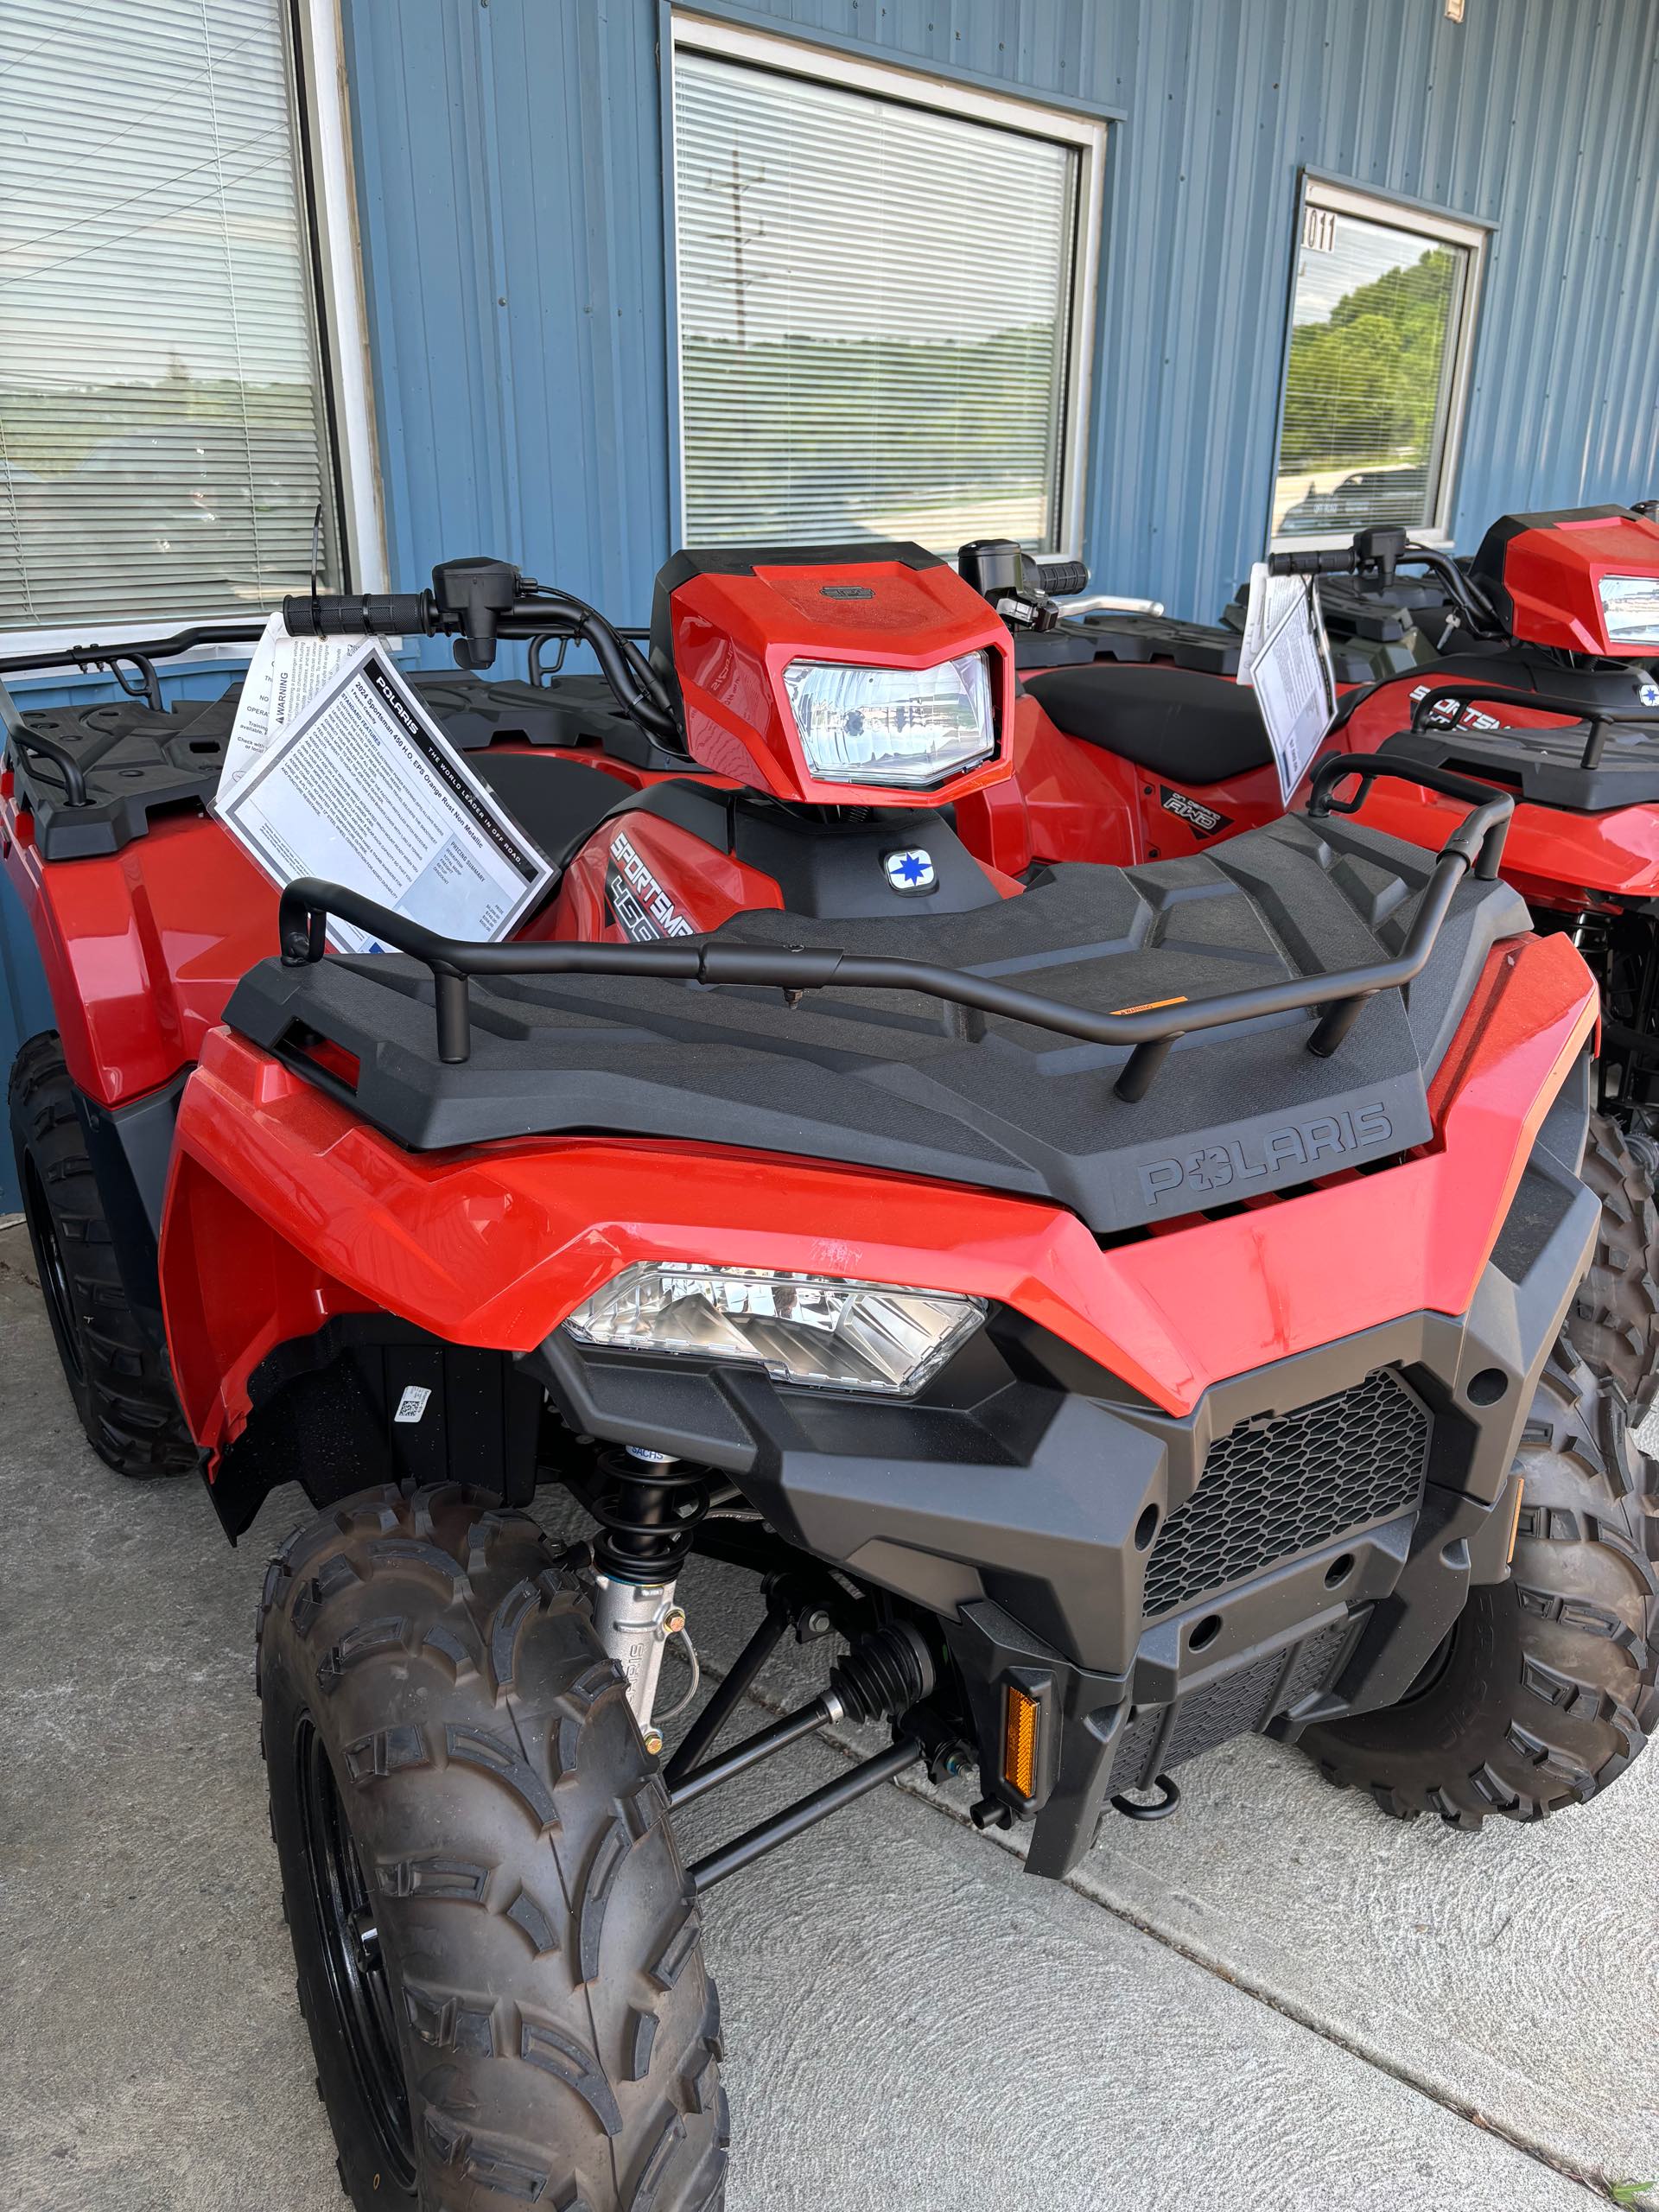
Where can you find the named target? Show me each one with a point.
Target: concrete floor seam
(1596, 2185)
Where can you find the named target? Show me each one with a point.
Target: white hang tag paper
(361, 788)
(1285, 658)
(284, 674)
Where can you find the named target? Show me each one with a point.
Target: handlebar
(1331, 561)
(1062, 579)
(1382, 548)
(392, 614)
(479, 602)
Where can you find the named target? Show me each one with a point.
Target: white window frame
(323, 139)
(1085, 135)
(1427, 223)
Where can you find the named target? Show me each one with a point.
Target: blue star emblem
(910, 870)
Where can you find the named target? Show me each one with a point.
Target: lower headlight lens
(811, 1328)
(892, 725)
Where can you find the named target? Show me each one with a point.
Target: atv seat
(557, 804)
(1193, 728)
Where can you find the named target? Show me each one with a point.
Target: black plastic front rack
(1463, 691)
(1475, 845)
(1597, 721)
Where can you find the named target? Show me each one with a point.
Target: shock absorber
(647, 1506)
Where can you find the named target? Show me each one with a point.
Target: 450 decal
(640, 906)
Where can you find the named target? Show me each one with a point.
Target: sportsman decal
(1444, 714)
(638, 905)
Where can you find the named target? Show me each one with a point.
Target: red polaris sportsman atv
(1541, 686)
(967, 1248)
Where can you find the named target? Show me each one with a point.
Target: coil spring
(647, 1510)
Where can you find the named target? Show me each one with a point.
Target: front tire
(1613, 1322)
(1544, 1692)
(498, 1950)
(116, 1375)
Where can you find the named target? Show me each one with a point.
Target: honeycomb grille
(1274, 1487)
(1240, 1702)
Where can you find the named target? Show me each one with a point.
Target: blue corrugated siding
(513, 152)
(509, 164)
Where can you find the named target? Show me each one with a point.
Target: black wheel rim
(359, 1989)
(55, 1276)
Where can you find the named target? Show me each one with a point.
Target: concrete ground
(1278, 2000)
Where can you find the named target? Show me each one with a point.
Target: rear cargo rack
(1475, 845)
(143, 654)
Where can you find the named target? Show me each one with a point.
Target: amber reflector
(1019, 1743)
(1514, 1525)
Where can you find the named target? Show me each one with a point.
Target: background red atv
(1542, 686)
(966, 1247)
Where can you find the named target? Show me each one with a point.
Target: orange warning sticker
(1149, 1006)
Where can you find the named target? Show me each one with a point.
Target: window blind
(874, 302)
(1368, 389)
(161, 423)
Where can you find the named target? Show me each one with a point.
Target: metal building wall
(510, 162)
(509, 165)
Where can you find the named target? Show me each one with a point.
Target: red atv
(1542, 686)
(1122, 1304)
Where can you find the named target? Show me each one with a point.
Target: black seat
(557, 804)
(1193, 728)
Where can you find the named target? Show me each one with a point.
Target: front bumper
(1027, 1497)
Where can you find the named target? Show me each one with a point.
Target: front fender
(284, 1208)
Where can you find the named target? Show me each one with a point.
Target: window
(884, 301)
(164, 415)
(1381, 317)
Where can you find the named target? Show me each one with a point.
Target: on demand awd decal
(1204, 820)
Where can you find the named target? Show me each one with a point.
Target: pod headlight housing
(816, 1330)
(900, 726)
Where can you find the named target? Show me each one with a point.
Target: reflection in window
(875, 306)
(1377, 322)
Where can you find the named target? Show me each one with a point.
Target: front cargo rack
(1428, 713)
(1475, 846)
(1596, 721)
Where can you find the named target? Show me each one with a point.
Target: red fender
(284, 1208)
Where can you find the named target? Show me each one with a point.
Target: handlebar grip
(387, 614)
(1061, 579)
(1334, 561)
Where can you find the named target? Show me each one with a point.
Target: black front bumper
(1031, 1503)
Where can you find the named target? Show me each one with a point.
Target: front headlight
(814, 1329)
(892, 725)
(1629, 608)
